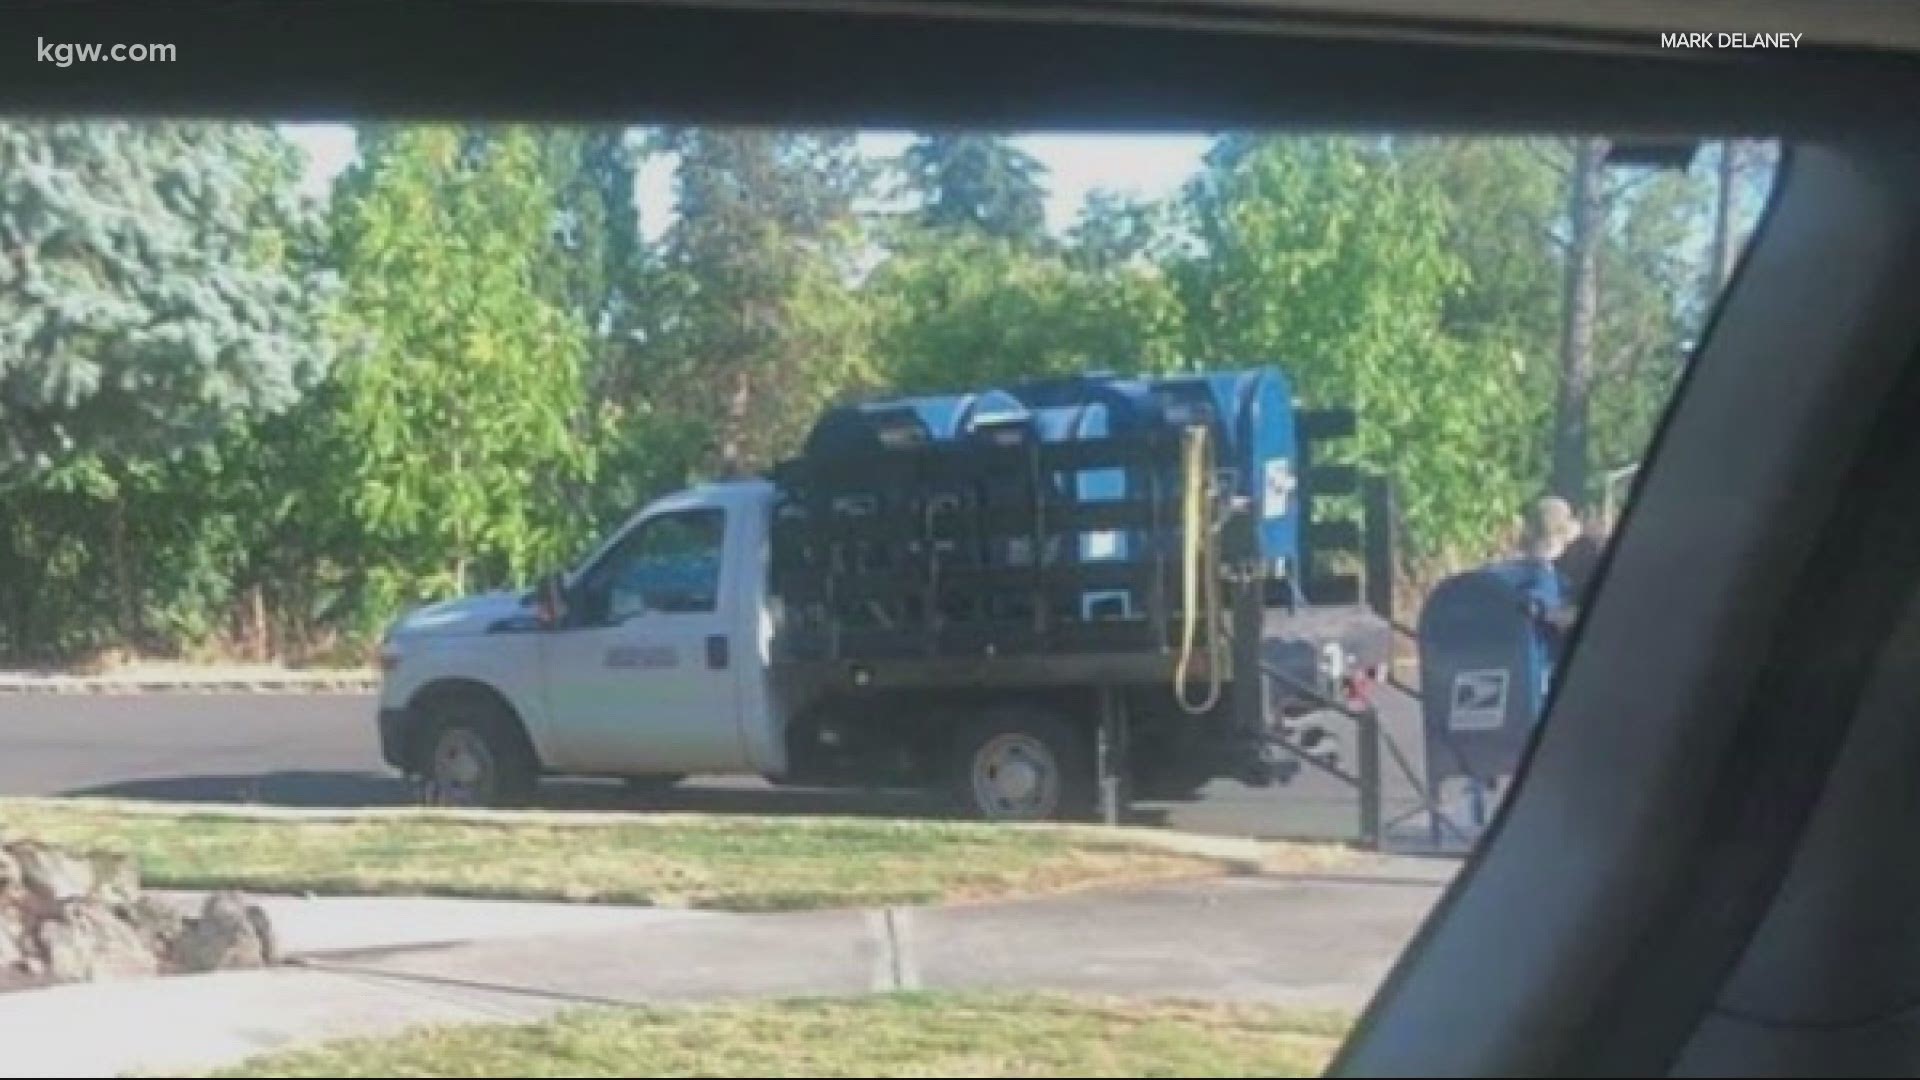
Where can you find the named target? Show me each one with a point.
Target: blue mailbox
(1485, 668)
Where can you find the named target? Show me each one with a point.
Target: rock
(158, 923)
(87, 942)
(66, 917)
(52, 876)
(116, 879)
(229, 933)
(13, 938)
(263, 929)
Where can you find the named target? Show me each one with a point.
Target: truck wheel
(1023, 764)
(474, 754)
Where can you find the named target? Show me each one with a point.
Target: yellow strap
(1199, 584)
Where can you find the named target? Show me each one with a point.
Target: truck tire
(473, 753)
(1021, 763)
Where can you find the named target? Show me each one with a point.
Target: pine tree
(756, 326)
(981, 182)
(149, 292)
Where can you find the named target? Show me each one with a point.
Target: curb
(1238, 855)
(265, 684)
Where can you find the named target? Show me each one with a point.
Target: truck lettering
(648, 657)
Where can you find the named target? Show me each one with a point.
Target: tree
(147, 289)
(156, 287)
(458, 417)
(602, 275)
(596, 248)
(981, 182)
(961, 310)
(1743, 174)
(1329, 257)
(1586, 224)
(1632, 301)
(755, 324)
(1651, 267)
(1505, 198)
(1114, 230)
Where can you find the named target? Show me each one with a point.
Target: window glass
(670, 564)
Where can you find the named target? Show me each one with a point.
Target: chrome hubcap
(1015, 778)
(462, 769)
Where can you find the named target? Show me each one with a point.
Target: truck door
(642, 679)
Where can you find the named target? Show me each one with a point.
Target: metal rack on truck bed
(1152, 543)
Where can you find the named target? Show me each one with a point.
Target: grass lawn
(730, 863)
(904, 1035)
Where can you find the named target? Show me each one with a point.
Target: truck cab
(648, 660)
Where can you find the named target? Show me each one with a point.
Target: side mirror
(550, 601)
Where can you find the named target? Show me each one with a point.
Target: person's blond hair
(1550, 525)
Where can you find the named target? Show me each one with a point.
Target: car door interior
(1713, 686)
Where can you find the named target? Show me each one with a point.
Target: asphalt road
(320, 750)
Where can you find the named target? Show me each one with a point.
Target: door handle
(717, 652)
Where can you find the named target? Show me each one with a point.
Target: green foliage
(1648, 265)
(184, 463)
(970, 310)
(757, 326)
(148, 289)
(982, 183)
(595, 244)
(1504, 200)
(1327, 257)
(458, 419)
(1115, 230)
(159, 288)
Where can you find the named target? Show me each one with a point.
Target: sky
(1147, 166)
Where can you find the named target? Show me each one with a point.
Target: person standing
(1579, 564)
(1547, 534)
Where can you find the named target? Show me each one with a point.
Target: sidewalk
(374, 966)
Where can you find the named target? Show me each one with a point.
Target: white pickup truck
(657, 666)
(921, 613)
(653, 660)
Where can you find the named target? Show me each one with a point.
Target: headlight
(389, 656)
